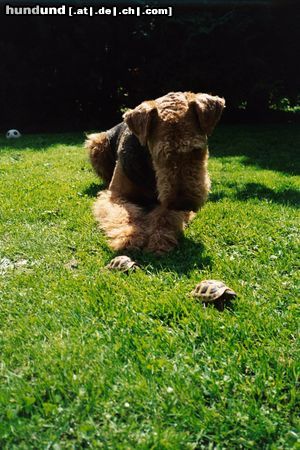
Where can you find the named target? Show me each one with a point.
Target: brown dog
(155, 166)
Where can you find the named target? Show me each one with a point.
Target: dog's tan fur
(174, 130)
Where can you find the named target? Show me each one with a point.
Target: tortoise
(122, 263)
(213, 291)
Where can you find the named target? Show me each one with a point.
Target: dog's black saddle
(134, 158)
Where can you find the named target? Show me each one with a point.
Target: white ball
(13, 134)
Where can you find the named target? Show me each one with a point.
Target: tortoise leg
(219, 304)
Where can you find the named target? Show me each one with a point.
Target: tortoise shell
(122, 263)
(211, 290)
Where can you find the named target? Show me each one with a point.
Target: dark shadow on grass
(188, 256)
(93, 189)
(256, 190)
(41, 142)
(289, 197)
(273, 147)
(216, 196)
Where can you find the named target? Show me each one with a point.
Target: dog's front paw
(160, 244)
(129, 238)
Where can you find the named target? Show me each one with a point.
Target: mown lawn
(94, 359)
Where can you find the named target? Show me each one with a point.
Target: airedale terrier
(155, 166)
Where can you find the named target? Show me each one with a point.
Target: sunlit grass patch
(96, 359)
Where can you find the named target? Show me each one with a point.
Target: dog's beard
(181, 179)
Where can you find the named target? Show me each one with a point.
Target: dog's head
(175, 129)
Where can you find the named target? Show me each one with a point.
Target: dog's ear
(208, 109)
(139, 120)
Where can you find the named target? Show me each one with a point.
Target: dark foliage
(61, 73)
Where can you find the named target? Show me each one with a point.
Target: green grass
(94, 359)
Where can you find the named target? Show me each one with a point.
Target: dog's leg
(163, 228)
(122, 221)
(101, 155)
